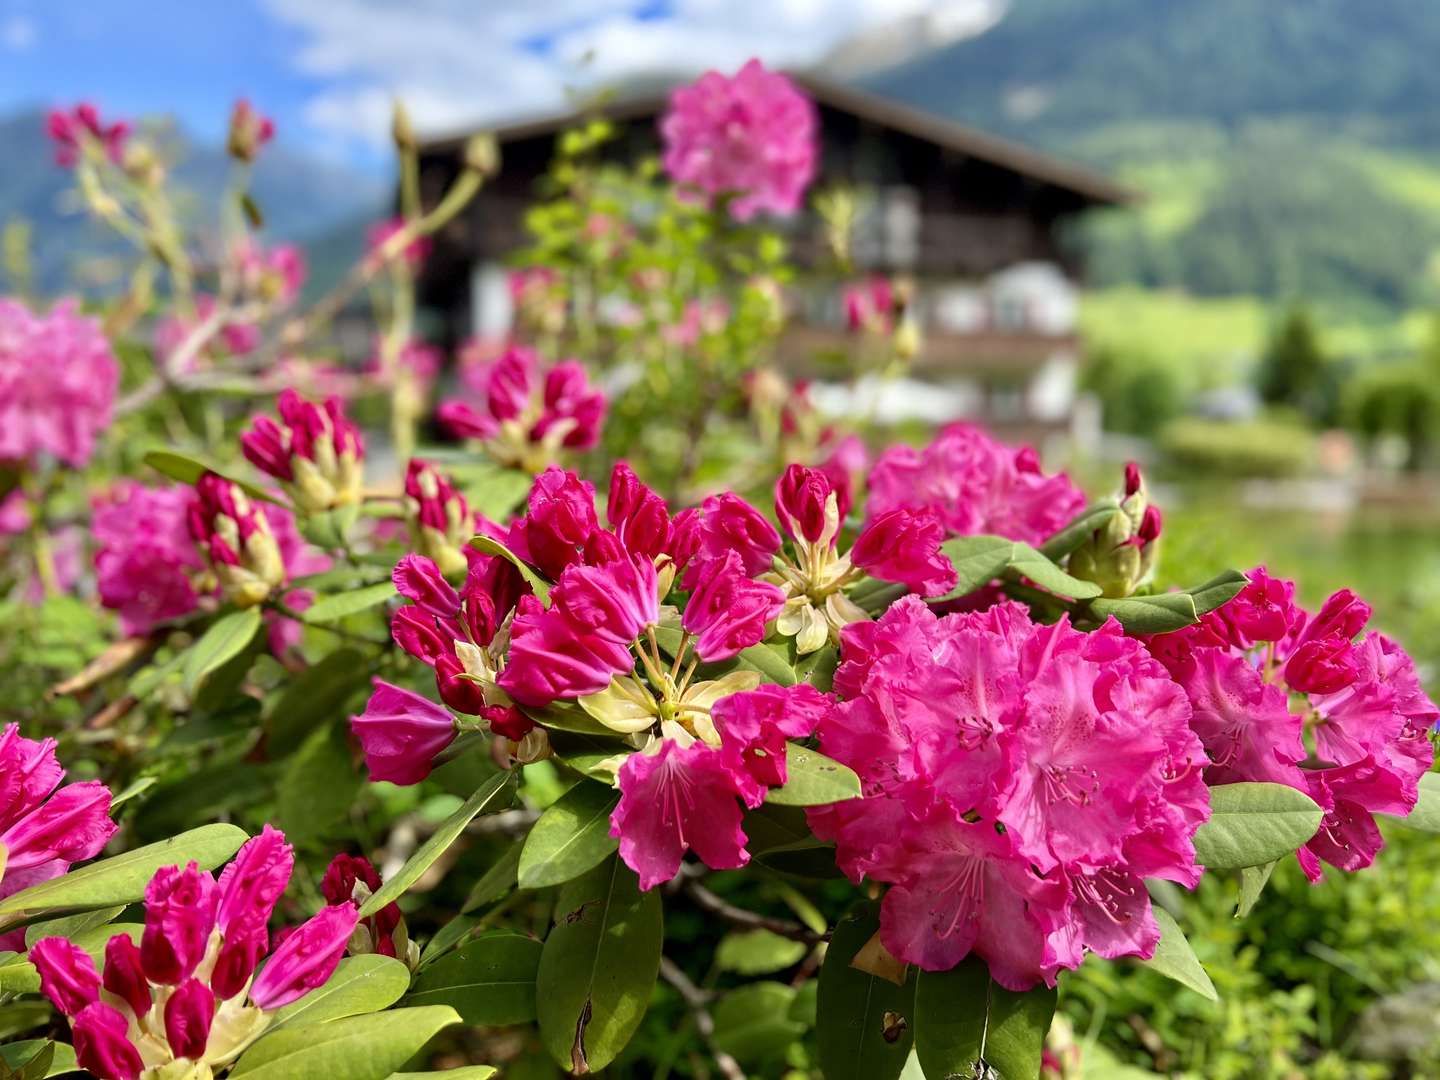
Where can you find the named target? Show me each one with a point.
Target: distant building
(975, 220)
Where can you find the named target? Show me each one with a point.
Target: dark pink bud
(729, 523)
(1322, 666)
(102, 1046)
(125, 974)
(802, 502)
(461, 420)
(639, 517)
(1343, 615)
(1150, 523)
(512, 380)
(188, 1016)
(1132, 478)
(727, 611)
(246, 941)
(570, 399)
(179, 915)
(420, 635)
(400, 733)
(456, 690)
(67, 974)
(306, 958)
(251, 885)
(603, 547)
(560, 522)
(264, 446)
(249, 131)
(508, 721)
(435, 496)
(684, 537)
(903, 545)
(1264, 610)
(419, 580)
(338, 884)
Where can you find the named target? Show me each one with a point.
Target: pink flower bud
(1264, 610)
(67, 974)
(188, 1016)
(338, 887)
(236, 536)
(1133, 482)
(559, 653)
(73, 824)
(508, 721)
(729, 523)
(1343, 615)
(570, 399)
(1322, 666)
(441, 523)
(728, 611)
(420, 635)
(560, 521)
(69, 130)
(903, 545)
(306, 959)
(400, 733)
(251, 885)
(249, 131)
(1150, 524)
(179, 915)
(419, 580)
(264, 446)
(102, 1046)
(125, 974)
(246, 941)
(802, 502)
(462, 694)
(512, 379)
(638, 515)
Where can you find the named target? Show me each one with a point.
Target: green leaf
(367, 1047)
(328, 609)
(360, 984)
(818, 668)
(121, 879)
(318, 785)
(752, 1023)
(757, 952)
(1031, 564)
(18, 975)
(864, 1024)
(770, 661)
(188, 470)
(571, 836)
(491, 546)
(812, 779)
(227, 638)
(446, 938)
(464, 1072)
(1253, 824)
(1175, 959)
(72, 925)
(1425, 815)
(493, 795)
(1157, 614)
(1219, 590)
(567, 716)
(27, 1053)
(318, 694)
(1253, 880)
(1082, 526)
(496, 492)
(490, 980)
(497, 881)
(587, 753)
(330, 529)
(978, 560)
(965, 1022)
(598, 966)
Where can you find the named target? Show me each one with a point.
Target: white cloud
(18, 34)
(459, 62)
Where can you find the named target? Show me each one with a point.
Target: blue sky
(327, 70)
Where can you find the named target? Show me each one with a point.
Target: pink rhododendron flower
(232, 339)
(559, 522)
(182, 994)
(400, 733)
(728, 611)
(69, 130)
(276, 275)
(439, 518)
(378, 238)
(249, 131)
(752, 135)
(870, 305)
(44, 827)
(727, 522)
(1275, 689)
(1021, 781)
(903, 545)
(976, 485)
(145, 562)
(316, 455)
(352, 878)
(58, 378)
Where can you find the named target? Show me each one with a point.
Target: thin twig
(751, 920)
(697, 1001)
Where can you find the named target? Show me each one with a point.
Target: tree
(1295, 371)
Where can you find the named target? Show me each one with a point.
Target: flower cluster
(317, 455)
(353, 879)
(71, 129)
(235, 535)
(438, 517)
(189, 992)
(1120, 556)
(44, 827)
(58, 378)
(1021, 782)
(146, 564)
(525, 419)
(752, 135)
(275, 275)
(249, 132)
(976, 485)
(1289, 697)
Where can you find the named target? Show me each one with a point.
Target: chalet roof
(918, 123)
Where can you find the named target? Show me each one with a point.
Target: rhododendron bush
(388, 712)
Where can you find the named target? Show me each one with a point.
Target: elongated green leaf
(770, 661)
(360, 984)
(571, 836)
(864, 1024)
(497, 881)
(812, 779)
(1218, 591)
(567, 716)
(965, 1023)
(319, 784)
(188, 469)
(490, 980)
(1082, 526)
(592, 755)
(491, 546)
(1253, 880)
(818, 668)
(753, 1025)
(121, 879)
(1425, 815)
(446, 938)
(330, 529)
(27, 1053)
(331, 608)
(494, 795)
(1029, 563)
(1157, 614)
(464, 1072)
(757, 952)
(317, 695)
(598, 966)
(224, 641)
(71, 925)
(1253, 824)
(357, 1047)
(1175, 959)
(978, 560)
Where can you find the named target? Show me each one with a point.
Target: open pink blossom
(752, 136)
(58, 378)
(145, 562)
(976, 485)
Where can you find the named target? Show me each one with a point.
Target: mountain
(1288, 148)
(302, 198)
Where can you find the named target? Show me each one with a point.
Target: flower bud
(401, 130)
(67, 974)
(727, 611)
(252, 883)
(729, 523)
(316, 456)
(400, 733)
(125, 974)
(419, 580)
(560, 522)
(1120, 555)
(638, 515)
(482, 154)
(440, 520)
(73, 824)
(179, 916)
(235, 537)
(306, 959)
(809, 506)
(249, 131)
(903, 545)
(188, 1016)
(102, 1046)
(1322, 666)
